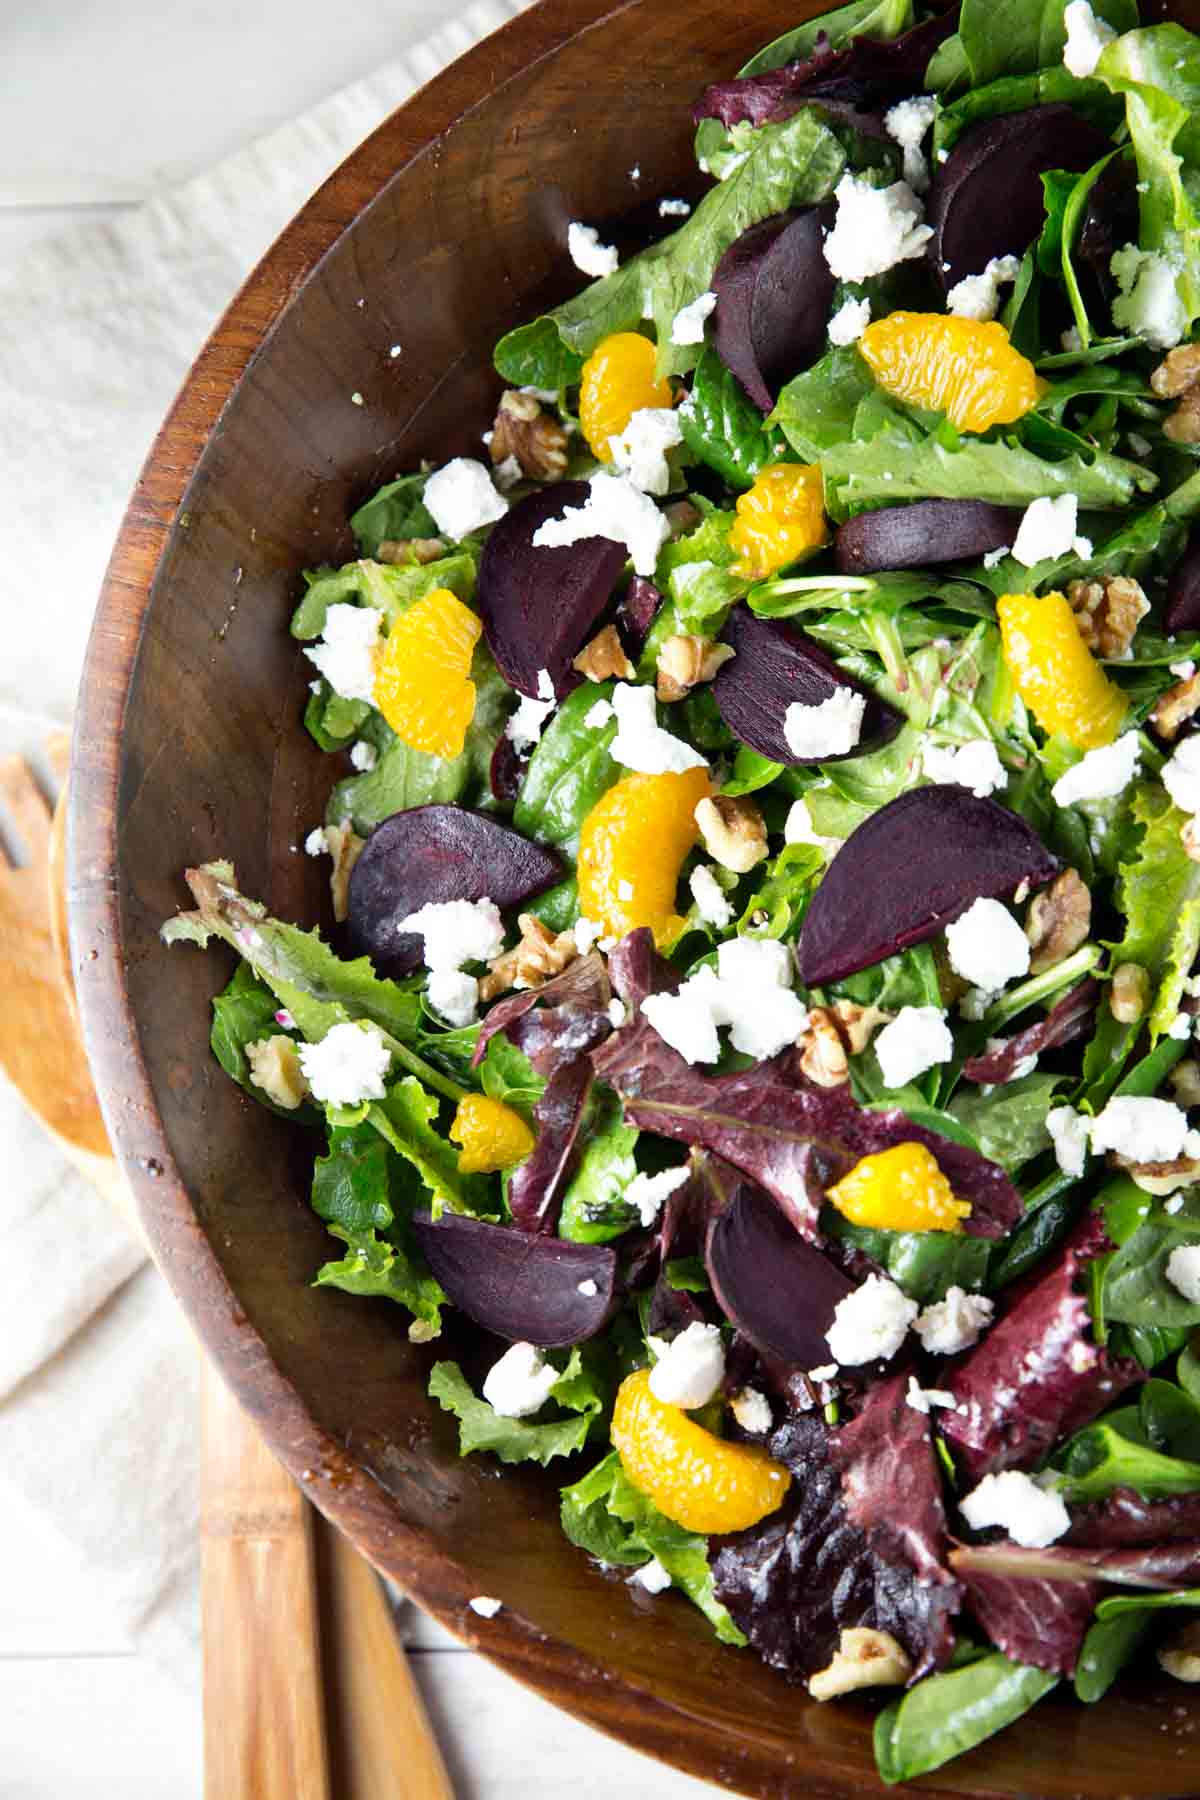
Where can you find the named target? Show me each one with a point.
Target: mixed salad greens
(766, 858)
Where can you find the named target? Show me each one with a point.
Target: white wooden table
(105, 103)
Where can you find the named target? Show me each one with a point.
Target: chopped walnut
(524, 431)
(1161, 1177)
(1129, 995)
(1185, 1081)
(1180, 1655)
(410, 550)
(275, 1068)
(344, 847)
(864, 1658)
(1179, 371)
(604, 658)
(1058, 921)
(1183, 425)
(1173, 709)
(733, 832)
(685, 662)
(1108, 612)
(834, 1034)
(1189, 837)
(540, 954)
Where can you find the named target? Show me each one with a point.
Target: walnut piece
(410, 550)
(1189, 837)
(1180, 1655)
(864, 1658)
(685, 662)
(1058, 921)
(275, 1068)
(524, 431)
(834, 1034)
(1177, 377)
(1183, 425)
(1185, 1081)
(604, 658)
(1173, 709)
(344, 847)
(733, 832)
(1129, 995)
(1108, 612)
(1162, 1177)
(540, 954)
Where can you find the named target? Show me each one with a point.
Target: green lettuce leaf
(391, 588)
(1012, 37)
(481, 1427)
(723, 428)
(594, 1209)
(356, 1192)
(396, 511)
(924, 1264)
(406, 1119)
(1009, 1123)
(244, 1014)
(568, 772)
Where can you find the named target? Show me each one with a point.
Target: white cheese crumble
(348, 1066)
(687, 1020)
(987, 947)
(749, 991)
(1181, 775)
(525, 727)
(826, 1372)
(1180, 1027)
(363, 756)
(641, 743)
(674, 209)
(453, 995)
(1183, 671)
(1048, 530)
(598, 716)
(651, 1576)
(1148, 304)
(752, 1410)
(691, 1369)
(798, 829)
(1144, 1131)
(955, 1323)
(849, 321)
(588, 1289)
(589, 255)
(687, 327)
(831, 728)
(711, 904)
(923, 1400)
(906, 124)
(993, 558)
(457, 931)
(1069, 1134)
(519, 1383)
(1101, 774)
(346, 654)
(1030, 1514)
(586, 932)
(618, 1013)
(1086, 37)
(916, 1039)
(317, 842)
(462, 498)
(614, 509)
(871, 1322)
(874, 229)
(978, 296)
(646, 1193)
(640, 451)
(1183, 1271)
(975, 765)
(485, 1605)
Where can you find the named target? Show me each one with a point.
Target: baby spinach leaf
(594, 1209)
(1040, 1231)
(244, 1014)
(354, 1191)
(1187, 1372)
(481, 1427)
(1110, 1644)
(947, 1714)
(751, 772)
(1016, 36)
(568, 772)
(816, 409)
(724, 428)
(1136, 1289)
(925, 1264)
(397, 511)
(1112, 1453)
(1171, 1418)
(1016, 93)
(536, 356)
(1009, 1124)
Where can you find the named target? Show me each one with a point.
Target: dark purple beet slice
(928, 531)
(775, 664)
(777, 1289)
(1183, 590)
(539, 606)
(774, 290)
(433, 853)
(527, 1289)
(986, 200)
(908, 871)
(506, 771)
(637, 610)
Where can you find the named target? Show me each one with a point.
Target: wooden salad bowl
(441, 232)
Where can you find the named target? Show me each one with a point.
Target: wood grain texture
(447, 226)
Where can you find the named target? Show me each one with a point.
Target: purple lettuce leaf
(637, 610)
(1126, 1521)
(1036, 1376)
(636, 969)
(583, 983)
(1071, 1018)
(683, 1228)
(553, 1035)
(1031, 1618)
(537, 1186)
(1159, 1567)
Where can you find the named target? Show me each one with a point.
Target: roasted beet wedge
(1183, 589)
(774, 290)
(908, 871)
(539, 606)
(777, 1289)
(433, 853)
(929, 531)
(773, 665)
(535, 1290)
(986, 200)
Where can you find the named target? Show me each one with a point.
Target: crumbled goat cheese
(453, 995)
(916, 1039)
(906, 124)
(588, 1289)
(1030, 1514)
(520, 1383)
(646, 1193)
(545, 685)
(525, 727)
(1069, 1134)
(317, 842)
(798, 829)
(508, 474)
(1183, 1271)
(589, 255)
(1086, 38)
(986, 946)
(975, 1003)
(1148, 304)
(711, 904)
(346, 654)
(641, 743)
(752, 1410)
(1181, 775)
(687, 327)
(826, 1372)
(1181, 1026)
(748, 991)
(874, 229)
(363, 756)
(1081, 1357)
(849, 321)
(640, 451)
(673, 209)
(993, 558)
(1183, 671)
(462, 498)
(955, 1323)
(687, 1019)
(457, 931)
(831, 728)
(618, 1013)
(923, 1400)
(978, 296)
(651, 1576)
(1144, 1131)
(692, 1368)
(347, 1066)
(975, 765)
(614, 509)
(485, 1606)
(1047, 530)
(871, 1322)
(1101, 774)
(598, 716)
(585, 932)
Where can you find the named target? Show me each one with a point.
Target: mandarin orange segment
(617, 381)
(421, 684)
(631, 848)
(966, 368)
(698, 1480)
(1055, 673)
(901, 1189)
(492, 1135)
(780, 518)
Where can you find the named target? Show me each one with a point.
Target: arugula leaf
(391, 588)
(406, 1119)
(568, 772)
(353, 1192)
(481, 1427)
(396, 511)
(244, 1014)
(594, 1208)
(1009, 1124)
(924, 1264)
(947, 1714)
(724, 428)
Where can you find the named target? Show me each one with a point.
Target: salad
(764, 820)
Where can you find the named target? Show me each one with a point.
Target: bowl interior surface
(443, 231)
